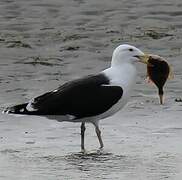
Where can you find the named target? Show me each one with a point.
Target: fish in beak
(158, 71)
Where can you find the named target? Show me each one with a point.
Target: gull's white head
(128, 54)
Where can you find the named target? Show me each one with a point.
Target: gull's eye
(130, 49)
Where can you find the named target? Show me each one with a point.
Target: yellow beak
(144, 59)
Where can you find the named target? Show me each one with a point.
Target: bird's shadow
(94, 155)
(89, 156)
(90, 160)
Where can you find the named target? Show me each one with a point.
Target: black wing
(84, 97)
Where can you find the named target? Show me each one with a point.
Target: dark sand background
(44, 43)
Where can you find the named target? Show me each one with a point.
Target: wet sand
(46, 43)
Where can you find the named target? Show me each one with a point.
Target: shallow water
(45, 43)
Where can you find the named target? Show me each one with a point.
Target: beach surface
(46, 43)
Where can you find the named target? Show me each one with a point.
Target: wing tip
(17, 109)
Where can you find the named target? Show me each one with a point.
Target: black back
(84, 97)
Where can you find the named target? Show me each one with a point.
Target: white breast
(125, 77)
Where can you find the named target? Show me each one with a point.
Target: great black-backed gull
(90, 98)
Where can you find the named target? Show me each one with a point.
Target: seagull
(91, 98)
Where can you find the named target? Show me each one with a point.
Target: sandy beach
(46, 43)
